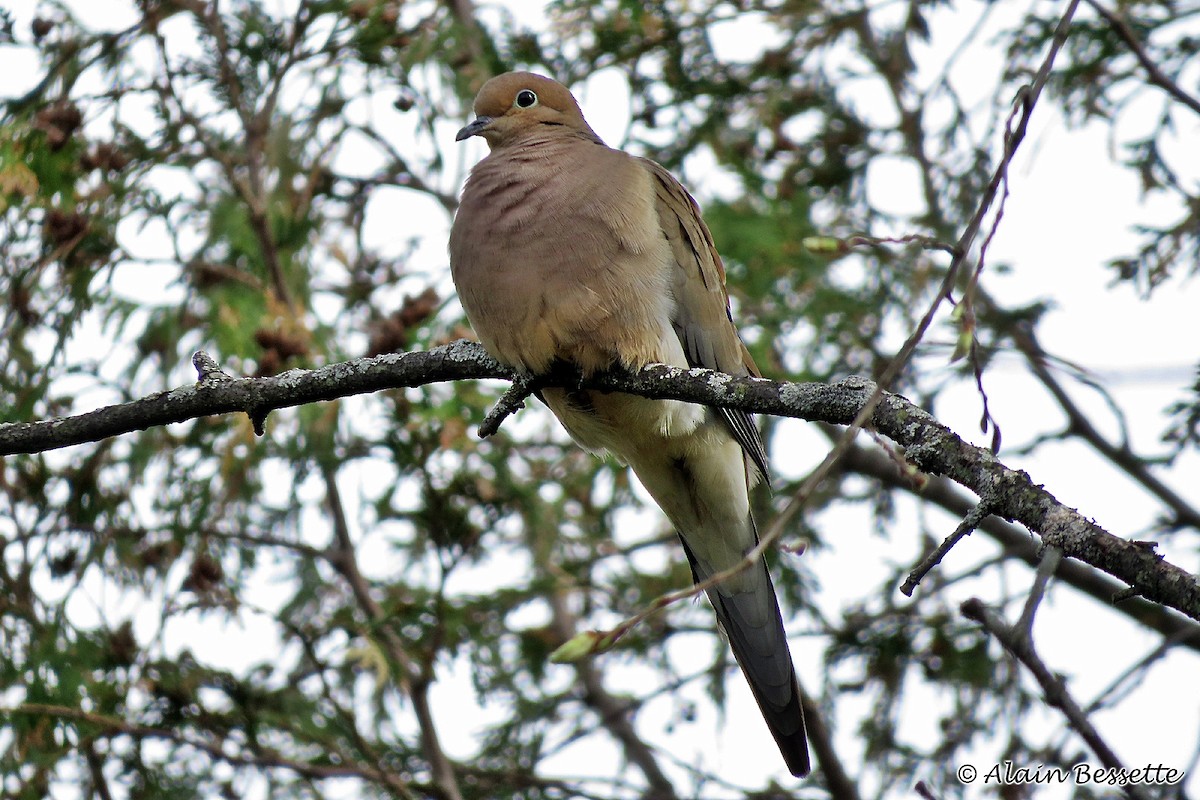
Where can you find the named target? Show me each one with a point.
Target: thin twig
(509, 403)
(970, 522)
(1018, 544)
(1153, 72)
(1051, 558)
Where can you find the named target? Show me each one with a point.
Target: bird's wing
(702, 319)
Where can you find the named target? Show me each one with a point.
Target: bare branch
(412, 680)
(614, 713)
(96, 769)
(969, 523)
(1051, 558)
(929, 445)
(510, 403)
(839, 783)
(1018, 544)
(253, 396)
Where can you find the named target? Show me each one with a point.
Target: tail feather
(766, 661)
(699, 478)
(754, 626)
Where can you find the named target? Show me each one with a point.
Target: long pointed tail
(700, 481)
(749, 615)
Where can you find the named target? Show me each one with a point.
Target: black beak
(473, 129)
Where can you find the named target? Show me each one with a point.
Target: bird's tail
(748, 612)
(700, 481)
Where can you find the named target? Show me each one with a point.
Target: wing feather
(702, 318)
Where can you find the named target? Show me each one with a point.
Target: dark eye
(526, 98)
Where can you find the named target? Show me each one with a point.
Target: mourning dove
(566, 250)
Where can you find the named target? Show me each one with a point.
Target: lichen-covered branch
(928, 444)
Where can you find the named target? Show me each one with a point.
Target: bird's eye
(526, 99)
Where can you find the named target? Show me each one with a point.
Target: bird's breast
(558, 256)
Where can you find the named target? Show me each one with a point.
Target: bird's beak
(473, 129)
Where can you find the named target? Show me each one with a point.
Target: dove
(565, 250)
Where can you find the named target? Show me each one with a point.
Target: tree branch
(970, 521)
(614, 714)
(342, 556)
(931, 446)
(839, 783)
(223, 395)
(1017, 543)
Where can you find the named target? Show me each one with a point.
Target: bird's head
(516, 105)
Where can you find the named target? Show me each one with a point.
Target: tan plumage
(565, 249)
